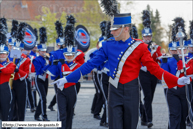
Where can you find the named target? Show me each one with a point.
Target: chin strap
(120, 32)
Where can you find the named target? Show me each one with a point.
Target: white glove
(60, 83)
(144, 68)
(184, 80)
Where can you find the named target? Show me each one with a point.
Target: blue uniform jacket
(54, 69)
(190, 55)
(55, 55)
(40, 65)
(170, 65)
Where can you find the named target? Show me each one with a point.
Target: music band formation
(122, 67)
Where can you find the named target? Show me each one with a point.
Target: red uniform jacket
(66, 69)
(189, 67)
(23, 69)
(142, 55)
(6, 71)
(80, 57)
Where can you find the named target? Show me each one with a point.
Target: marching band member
(55, 57)
(190, 55)
(148, 81)
(67, 94)
(176, 96)
(41, 78)
(167, 63)
(6, 69)
(21, 73)
(125, 56)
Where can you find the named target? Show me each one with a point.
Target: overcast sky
(168, 10)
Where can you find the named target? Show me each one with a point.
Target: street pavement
(83, 118)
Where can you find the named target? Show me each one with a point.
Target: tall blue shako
(3, 46)
(43, 39)
(69, 32)
(57, 55)
(173, 44)
(146, 23)
(60, 33)
(42, 45)
(190, 41)
(147, 29)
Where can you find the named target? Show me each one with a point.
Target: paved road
(84, 119)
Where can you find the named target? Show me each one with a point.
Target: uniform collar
(3, 62)
(42, 57)
(59, 49)
(190, 54)
(69, 63)
(127, 41)
(33, 53)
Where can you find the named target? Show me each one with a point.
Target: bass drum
(82, 38)
(29, 39)
(87, 54)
